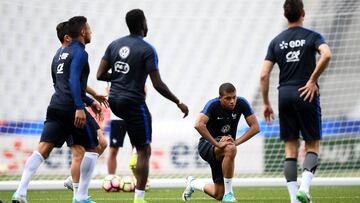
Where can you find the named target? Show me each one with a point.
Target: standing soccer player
(217, 125)
(78, 151)
(66, 118)
(294, 50)
(117, 137)
(131, 60)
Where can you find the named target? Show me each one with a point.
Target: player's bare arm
(310, 90)
(200, 126)
(253, 130)
(162, 88)
(264, 85)
(102, 73)
(102, 99)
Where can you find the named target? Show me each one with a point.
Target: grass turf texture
(321, 194)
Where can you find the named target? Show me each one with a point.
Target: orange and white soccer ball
(128, 184)
(112, 183)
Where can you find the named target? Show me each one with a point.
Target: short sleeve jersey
(222, 121)
(70, 71)
(294, 50)
(131, 59)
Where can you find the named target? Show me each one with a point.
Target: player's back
(130, 59)
(294, 50)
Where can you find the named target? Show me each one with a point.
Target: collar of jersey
(77, 42)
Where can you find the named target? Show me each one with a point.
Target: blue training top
(222, 121)
(294, 50)
(131, 60)
(70, 71)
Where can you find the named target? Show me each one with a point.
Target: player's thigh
(87, 136)
(310, 119)
(54, 131)
(288, 116)
(206, 151)
(117, 133)
(139, 125)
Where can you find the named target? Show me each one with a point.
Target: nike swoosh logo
(219, 118)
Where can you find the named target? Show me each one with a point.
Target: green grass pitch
(321, 194)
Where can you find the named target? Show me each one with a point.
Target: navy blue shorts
(207, 152)
(59, 128)
(137, 119)
(297, 115)
(117, 133)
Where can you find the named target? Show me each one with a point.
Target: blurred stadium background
(201, 44)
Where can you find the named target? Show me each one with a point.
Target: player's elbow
(264, 77)
(197, 126)
(256, 129)
(327, 56)
(158, 86)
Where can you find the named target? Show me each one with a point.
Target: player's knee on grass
(218, 195)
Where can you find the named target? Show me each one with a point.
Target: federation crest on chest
(233, 115)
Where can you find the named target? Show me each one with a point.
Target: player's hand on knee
(80, 118)
(221, 144)
(226, 138)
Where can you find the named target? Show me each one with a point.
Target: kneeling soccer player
(217, 125)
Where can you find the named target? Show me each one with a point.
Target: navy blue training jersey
(224, 122)
(70, 71)
(294, 50)
(131, 60)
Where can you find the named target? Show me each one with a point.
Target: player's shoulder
(307, 30)
(148, 46)
(211, 105)
(118, 41)
(242, 101)
(212, 102)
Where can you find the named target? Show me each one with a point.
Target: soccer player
(217, 124)
(294, 50)
(117, 136)
(78, 151)
(66, 119)
(131, 60)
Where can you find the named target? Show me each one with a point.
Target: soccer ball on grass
(111, 183)
(128, 184)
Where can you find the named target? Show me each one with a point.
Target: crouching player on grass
(217, 125)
